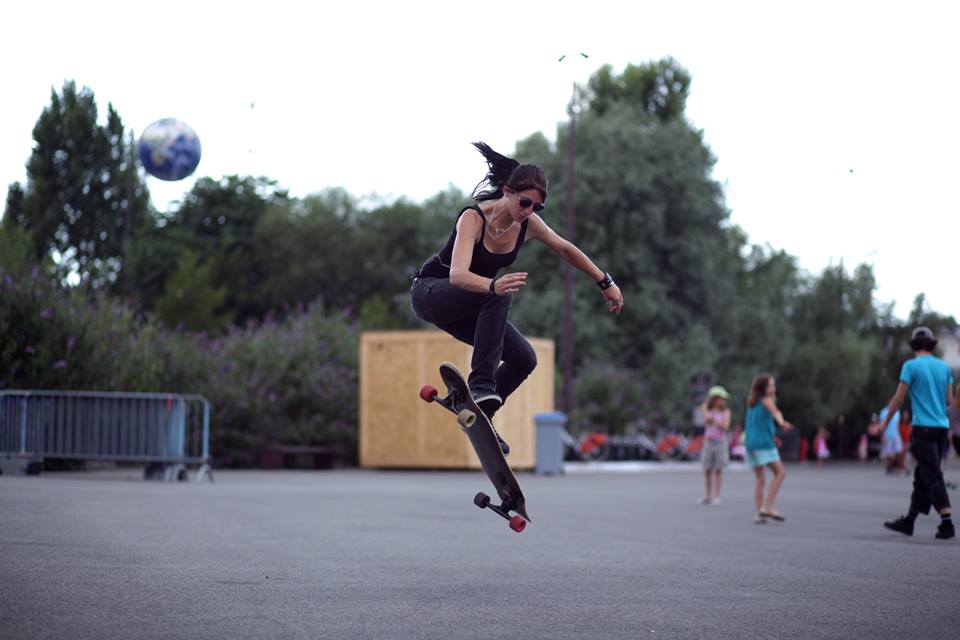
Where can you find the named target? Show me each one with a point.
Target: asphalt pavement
(385, 554)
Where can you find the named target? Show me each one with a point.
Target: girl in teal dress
(760, 424)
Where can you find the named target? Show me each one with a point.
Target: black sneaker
(489, 405)
(506, 448)
(902, 524)
(945, 531)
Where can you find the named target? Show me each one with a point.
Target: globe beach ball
(169, 149)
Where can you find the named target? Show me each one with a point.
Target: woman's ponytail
(500, 169)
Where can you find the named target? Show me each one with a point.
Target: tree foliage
(190, 299)
(84, 198)
(254, 297)
(659, 89)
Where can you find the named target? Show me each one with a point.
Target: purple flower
(47, 313)
(30, 349)
(71, 342)
(60, 364)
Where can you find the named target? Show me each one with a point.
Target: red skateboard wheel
(518, 524)
(428, 393)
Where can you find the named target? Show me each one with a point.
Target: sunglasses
(525, 203)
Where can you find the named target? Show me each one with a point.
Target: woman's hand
(614, 298)
(509, 283)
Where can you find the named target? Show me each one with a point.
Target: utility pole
(569, 193)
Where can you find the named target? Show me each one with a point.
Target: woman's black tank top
(483, 263)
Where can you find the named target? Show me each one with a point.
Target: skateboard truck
(466, 419)
(517, 523)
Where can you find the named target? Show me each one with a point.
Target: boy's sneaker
(945, 531)
(760, 518)
(489, 404)
(902, 524)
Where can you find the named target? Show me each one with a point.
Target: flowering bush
(40, 334)
(290, 382)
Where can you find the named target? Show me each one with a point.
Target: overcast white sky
(835, 124)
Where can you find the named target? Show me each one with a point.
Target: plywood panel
(399, 430)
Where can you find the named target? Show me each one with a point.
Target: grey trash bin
(550, 427)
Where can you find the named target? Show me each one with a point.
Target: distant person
(761, 421)
(820, 448)
(863, 444)
(929, 382)
(905, 428)
(460, 290)
(953, 413)
(716, 453)
(955, 422)
(875, 441)
(892, 448)
(737, 450)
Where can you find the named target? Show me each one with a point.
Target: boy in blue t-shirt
(930, 383)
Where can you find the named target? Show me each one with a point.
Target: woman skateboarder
(458, 288)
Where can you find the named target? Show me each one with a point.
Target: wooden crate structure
(399, 430)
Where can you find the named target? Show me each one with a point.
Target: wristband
(606, 283)
(493, 286)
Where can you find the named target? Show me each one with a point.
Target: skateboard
(477, 426)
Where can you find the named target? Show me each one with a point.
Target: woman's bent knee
(529, 362)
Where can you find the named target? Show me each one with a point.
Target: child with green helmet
(716, 448)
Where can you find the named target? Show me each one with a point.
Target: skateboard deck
(480, 432)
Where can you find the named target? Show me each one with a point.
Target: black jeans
(927, 445)
(502, 357)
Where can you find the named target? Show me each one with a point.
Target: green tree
(659, 89)
(307, 252)
(217, 221)
(760, 336)
(191, 301)
(828, 368)
(16, 250)
(83, 197)
(611, 399)
(328, 250)
(223, 216)
(647, 211)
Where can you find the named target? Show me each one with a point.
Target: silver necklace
(490, 231)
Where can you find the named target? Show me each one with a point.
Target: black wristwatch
(606, 283)
(493, 286)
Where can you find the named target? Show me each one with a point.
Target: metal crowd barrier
(167, 431)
